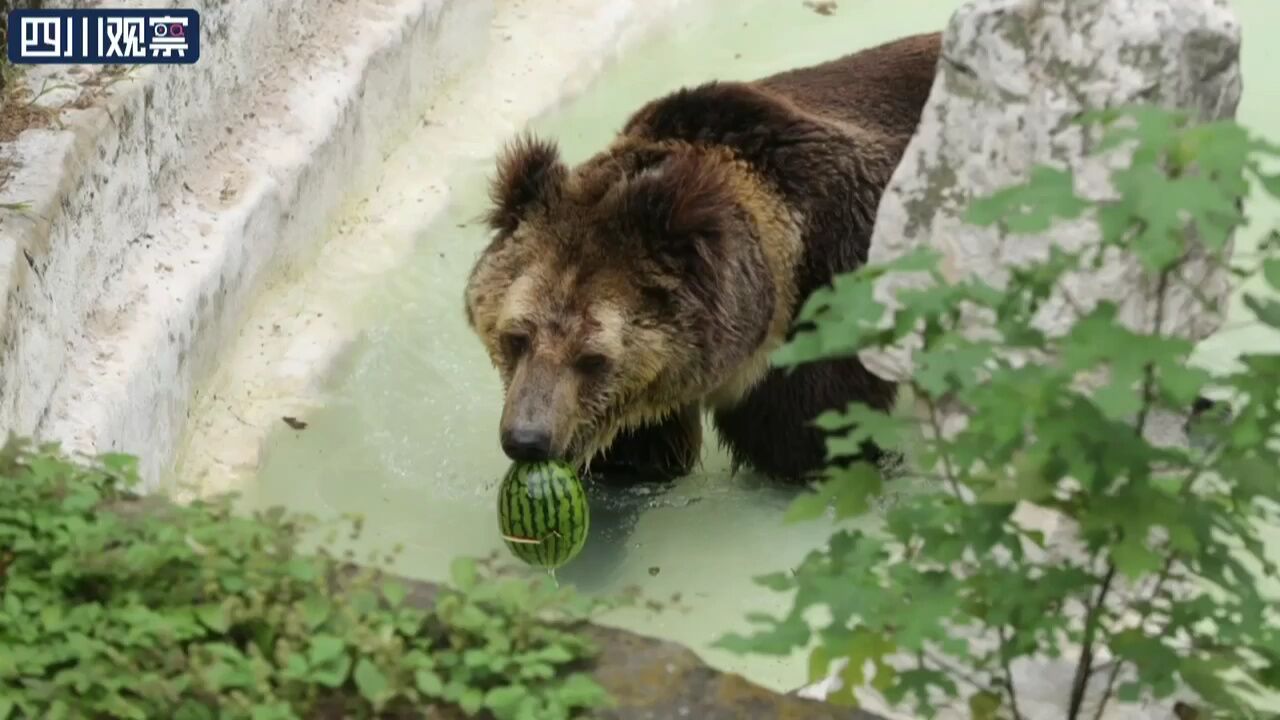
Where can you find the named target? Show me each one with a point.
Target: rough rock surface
(657, 680)
(1014, 74)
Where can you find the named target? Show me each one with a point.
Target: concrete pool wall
(147, 209)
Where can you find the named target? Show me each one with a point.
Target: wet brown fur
(623, 296)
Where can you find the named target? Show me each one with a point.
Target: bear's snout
(538, 415)
(527, 443)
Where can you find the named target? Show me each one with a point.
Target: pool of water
(408, 437)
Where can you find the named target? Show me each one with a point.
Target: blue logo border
(14, 40)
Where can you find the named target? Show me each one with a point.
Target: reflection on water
(408, 438)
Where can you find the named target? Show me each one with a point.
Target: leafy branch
(948, 582)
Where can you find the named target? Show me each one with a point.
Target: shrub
(115, 607)
(950, 588)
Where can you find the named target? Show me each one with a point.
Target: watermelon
(542, 513)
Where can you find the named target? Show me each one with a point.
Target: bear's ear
(529, 171)
(678, 205)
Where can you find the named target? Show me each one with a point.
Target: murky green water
(409, 438)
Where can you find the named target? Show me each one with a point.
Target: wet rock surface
(656, 680)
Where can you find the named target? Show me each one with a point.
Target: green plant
(111, 606)
(940, 598)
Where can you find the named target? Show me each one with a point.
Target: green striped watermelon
(542, 512)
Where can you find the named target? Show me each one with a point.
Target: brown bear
(621, 298)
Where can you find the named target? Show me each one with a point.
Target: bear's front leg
(664, 451)
(771, 428)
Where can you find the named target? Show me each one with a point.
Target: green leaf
(819, 662)
(315, 610)
(1266, 310)
(777, 582)
(780, 637)
(333, 673)
(854, 487)
(862, 423)
(984, 705)
(214, 617)
(472, 701)
(394, 592)
(1134, 558)
(1271, 271)
(125, 466)
(805, 346)
(429, 683)
(477, 657)
(1129, 692)
(371, 682)
(463, 572)
(581, 691)
(1024, 481)
(1047, 195)
(295, 666)
(807, 506)
(273, 711)
(192, 710)
(1205, 679)
(532, 671)
(1271, 183)
(120, 707)
(325, 648)
(304, 569)
(1183, 384)
(921, 259)
(362, 600)
(504, 702)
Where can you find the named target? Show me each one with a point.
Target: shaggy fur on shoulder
(621, 298)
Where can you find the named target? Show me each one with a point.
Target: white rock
(1013, 76)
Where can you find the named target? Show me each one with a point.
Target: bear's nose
(527, 444)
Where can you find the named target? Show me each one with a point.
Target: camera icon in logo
(168, 35)
(173, 30)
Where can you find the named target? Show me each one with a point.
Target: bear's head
(615, 293)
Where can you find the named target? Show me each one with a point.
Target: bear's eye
(591, 363)
(516, 344)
